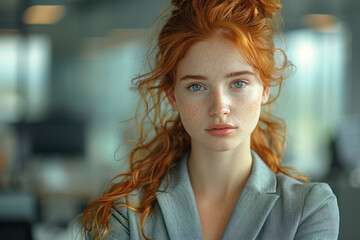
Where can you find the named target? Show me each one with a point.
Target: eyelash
(197, 84)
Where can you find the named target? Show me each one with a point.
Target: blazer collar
(178, 205)
(254, 204)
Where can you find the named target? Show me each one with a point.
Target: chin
(222, 148)
(233, 144)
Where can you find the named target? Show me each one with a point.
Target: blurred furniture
(17, 212)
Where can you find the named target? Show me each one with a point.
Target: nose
(219, 104)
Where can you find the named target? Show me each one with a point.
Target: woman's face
(218, 95)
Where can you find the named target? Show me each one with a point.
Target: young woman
(209, 168)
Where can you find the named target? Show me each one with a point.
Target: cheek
(250, 112)
(189, 112)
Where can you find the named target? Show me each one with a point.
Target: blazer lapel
(254, 204)
(178, 205)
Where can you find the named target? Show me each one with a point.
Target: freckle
(251, 108)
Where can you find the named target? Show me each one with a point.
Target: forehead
(215, 54)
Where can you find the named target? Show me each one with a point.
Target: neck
(219, 175)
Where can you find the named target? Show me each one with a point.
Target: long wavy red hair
(163, 141)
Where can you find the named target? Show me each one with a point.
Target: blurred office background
(65, 71)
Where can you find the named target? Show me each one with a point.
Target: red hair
(249, 24)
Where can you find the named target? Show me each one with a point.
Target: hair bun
(268, 8)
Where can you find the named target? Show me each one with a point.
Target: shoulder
(121, 217)
(314, 204)
(316, 192)
(125, 221)
(118, 220)
(288, 186)
(296, 200)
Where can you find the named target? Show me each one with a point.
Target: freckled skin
(218, 101)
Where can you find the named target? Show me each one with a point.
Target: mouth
(221, 130)
(220, 127)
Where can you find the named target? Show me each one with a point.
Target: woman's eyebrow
(239, 73)
(197, 77)
(229, 75)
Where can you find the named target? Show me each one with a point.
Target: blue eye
(238, 84)
(195, 87)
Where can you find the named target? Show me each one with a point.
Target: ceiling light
(44, 14)
(320, 22)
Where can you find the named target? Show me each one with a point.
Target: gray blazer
(271, 206)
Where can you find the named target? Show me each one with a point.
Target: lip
(220, 130)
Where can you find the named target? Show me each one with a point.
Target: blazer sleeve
(119, 225)
(320, 216)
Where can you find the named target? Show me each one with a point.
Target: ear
(265, 95)
(171, 98)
